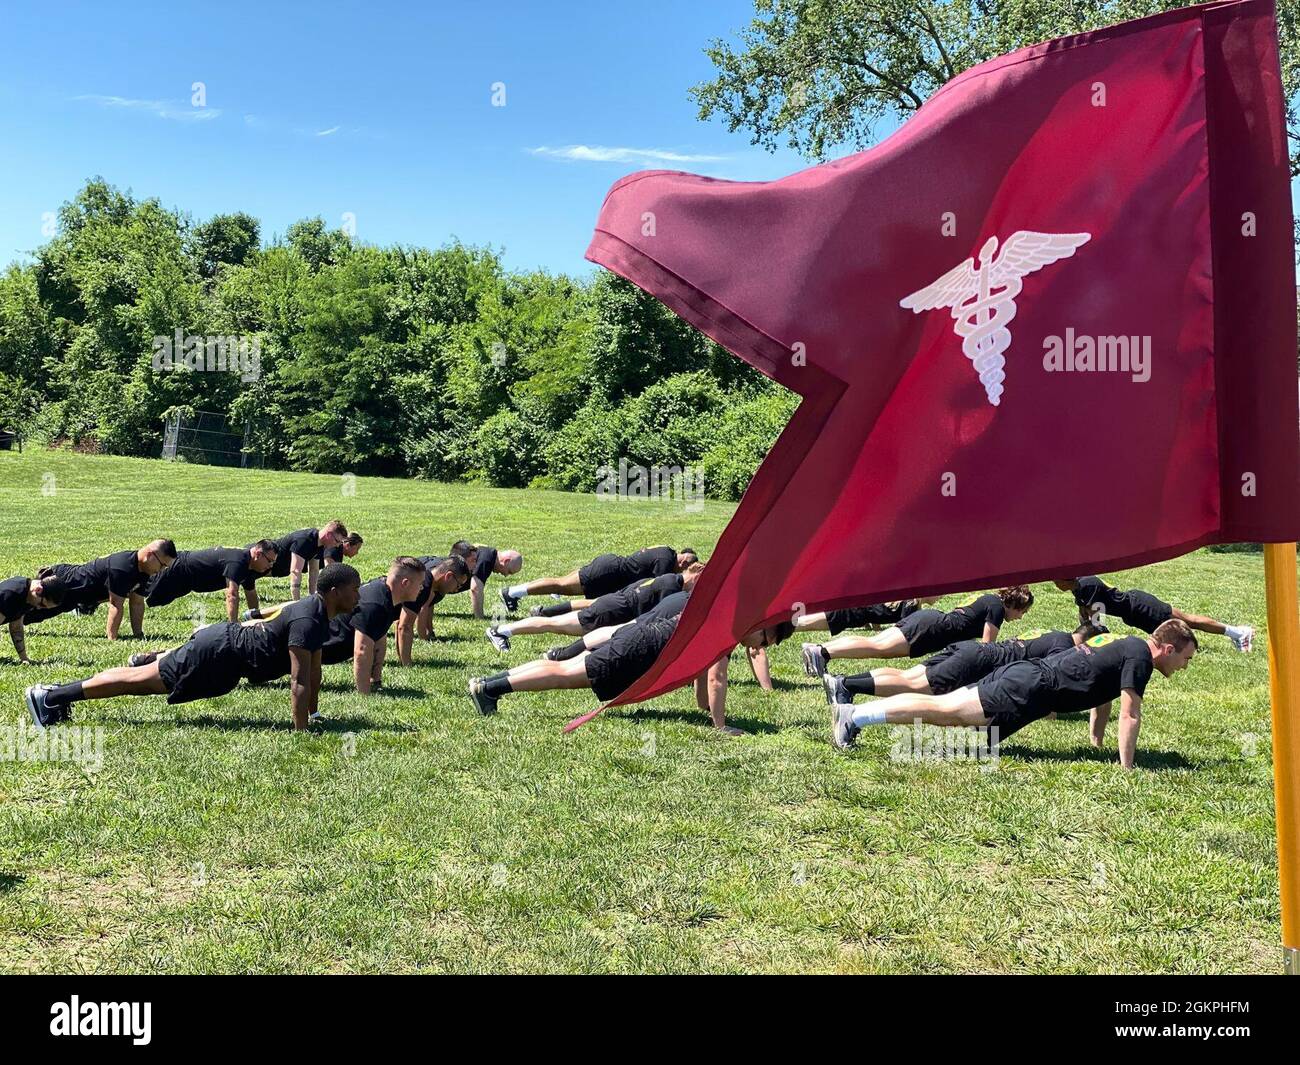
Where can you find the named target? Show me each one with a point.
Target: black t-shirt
(668, 607)
(967, 621)
(264, 649)
(13, 598)
(1040, 644)
(328, 555)
(375, 612)
(486, 565)
(305, 543)
(1097, 671)
(651, 562)
(650, 593)
(116, 574)
(211, 568)
(374, 615)
(426, 590)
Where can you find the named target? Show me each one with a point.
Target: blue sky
(382, 110)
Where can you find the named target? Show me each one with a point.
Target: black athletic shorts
(616, 665)
(1009, 696)
(956, 666)
(601, 576)
(597, 616)
(1146, 612)
(925, 632)
(204, 668)
(855, 618)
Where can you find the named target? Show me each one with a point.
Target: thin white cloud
(328, 132)
(159, 108)
(595, 153)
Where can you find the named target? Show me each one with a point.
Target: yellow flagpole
(1284, 685)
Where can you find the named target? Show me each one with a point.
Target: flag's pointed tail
(578, 722)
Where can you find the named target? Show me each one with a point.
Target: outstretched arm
(19, 639)
(363, 661)
(476, 589)
(296, 565)
(232, 601)
(1130, 723)
(405, 636)
(115, 615)
(300, 685)
(1098, 719)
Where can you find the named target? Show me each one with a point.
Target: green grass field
(410, 834)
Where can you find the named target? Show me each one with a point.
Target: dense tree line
(397, 361)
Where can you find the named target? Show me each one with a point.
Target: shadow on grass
(270, 724)
(386, 691)
(1144, 759)
(429, 663)
(9, 881)
(780, 684)
(690, 717)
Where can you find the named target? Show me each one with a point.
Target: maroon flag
(1048, 327)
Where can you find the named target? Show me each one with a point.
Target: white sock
(504, 630)
(1235, 632)
(868, 715)
(517, 591)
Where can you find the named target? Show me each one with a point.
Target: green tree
(224, 240)
(820, 75)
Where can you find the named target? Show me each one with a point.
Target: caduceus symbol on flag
(983, 300)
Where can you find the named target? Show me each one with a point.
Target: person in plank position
(957, 665)
(874, 616)
(218, 656)
(444, 576)
(483, 561)
(668, 607)
(1097, 600)
(211, 570)
(604, 574)
(20, 596)
(614, 666)
(118, 579)
(362, 636)
(1092, 675)
(296, 553)
(349, 548)
(612, 609)
(925, 631)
